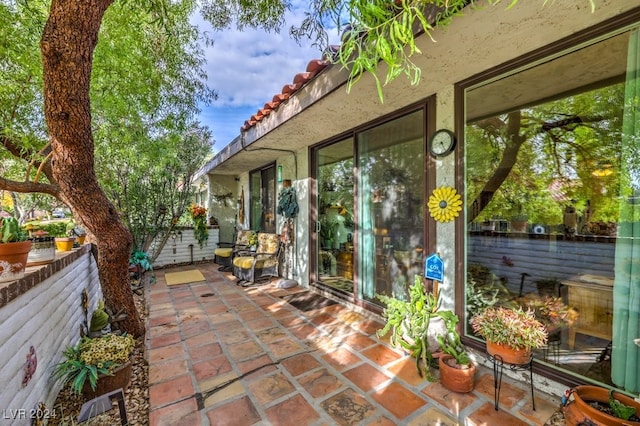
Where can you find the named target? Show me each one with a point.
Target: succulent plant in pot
(414, 324)
(506, 328)
(457, 371)
(14, 249)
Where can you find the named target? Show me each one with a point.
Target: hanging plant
(288, 204)
(199, 216)
(445, 204)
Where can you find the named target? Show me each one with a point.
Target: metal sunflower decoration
(445, 204)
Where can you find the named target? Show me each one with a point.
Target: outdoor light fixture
(279, 173)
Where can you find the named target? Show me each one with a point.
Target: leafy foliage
(411, 319)
(10, 231)
(515, 327)
(199, 217)
(92, 357)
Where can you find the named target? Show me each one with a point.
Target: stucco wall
(47, 316)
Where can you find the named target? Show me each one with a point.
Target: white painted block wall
(185, 248)
(46, 317)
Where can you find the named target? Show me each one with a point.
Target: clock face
(442, 142)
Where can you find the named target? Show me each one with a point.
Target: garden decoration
(199, 216)
(445, 204)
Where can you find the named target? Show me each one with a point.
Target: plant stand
(498, 368)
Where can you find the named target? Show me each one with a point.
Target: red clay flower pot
(508, 353)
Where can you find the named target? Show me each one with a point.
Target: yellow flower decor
(445, 204)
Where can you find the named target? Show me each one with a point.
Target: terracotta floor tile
(405, 369)
(341, 359)
(244, 350)
(291, 321)
(304, 331)
(509, 395)
(170, 391)
(350, 317)
(164, 340)
(200, 339)
(251, 314)
(358, 341)
(155, 321)
(204, 352)
(367, 326)
(255, 364)
(165, 353)
(435, 416)
(320, 383)
(365, 377)
(270, 335)
(285, 348)
(167, 370)
(212, 310)
(348, 407)
(260, 323)
(382, 421)
(234, 336)
(400, 401)
(240, 412)
(270, 388)
(544, 409)
(232, 390)
(295, 411)
(300, 364)
(211, 368)
(381, 355)
(221, 318)
(322, 319)
(162, 330)
(487, 415)
(181, 413)
(455, 402)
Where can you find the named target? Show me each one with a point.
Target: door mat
(308, 301)
(183, 277)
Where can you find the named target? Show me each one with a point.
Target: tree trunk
(68, 42)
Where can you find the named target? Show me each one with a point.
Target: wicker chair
(225, 252)
(250, 267)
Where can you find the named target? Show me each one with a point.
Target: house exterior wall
(484, 39)
(184, 248)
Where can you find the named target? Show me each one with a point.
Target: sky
(247, 69)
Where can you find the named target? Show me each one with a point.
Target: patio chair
(250, 267)
(225, 252)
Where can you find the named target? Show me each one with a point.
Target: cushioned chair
(250, 268)
(225, 252)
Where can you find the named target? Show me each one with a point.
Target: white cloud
(247, 69)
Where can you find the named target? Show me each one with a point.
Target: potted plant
(457, 372)
(510, 333)
(597, 405)
(14, 249)
(97, 365)
(414, 324)
(199, 217)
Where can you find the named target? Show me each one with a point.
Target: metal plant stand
(498, 368)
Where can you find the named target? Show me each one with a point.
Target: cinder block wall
(43, 310)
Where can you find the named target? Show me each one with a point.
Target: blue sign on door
(434, 268)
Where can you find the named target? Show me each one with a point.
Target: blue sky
(247, 69)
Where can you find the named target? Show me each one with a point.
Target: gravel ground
(136, 397)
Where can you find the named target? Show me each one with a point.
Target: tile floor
(220, 354)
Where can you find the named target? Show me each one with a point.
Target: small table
(498, 367)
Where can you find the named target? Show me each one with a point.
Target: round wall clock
(442, 143)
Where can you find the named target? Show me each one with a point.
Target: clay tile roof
(313, 68)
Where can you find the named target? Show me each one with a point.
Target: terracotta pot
(13, 260)
(509, 354)
(120, 379)
(65, 243)
(578, 411)
(456, 377)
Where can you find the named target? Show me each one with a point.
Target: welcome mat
(183, 277)
(308, 301)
